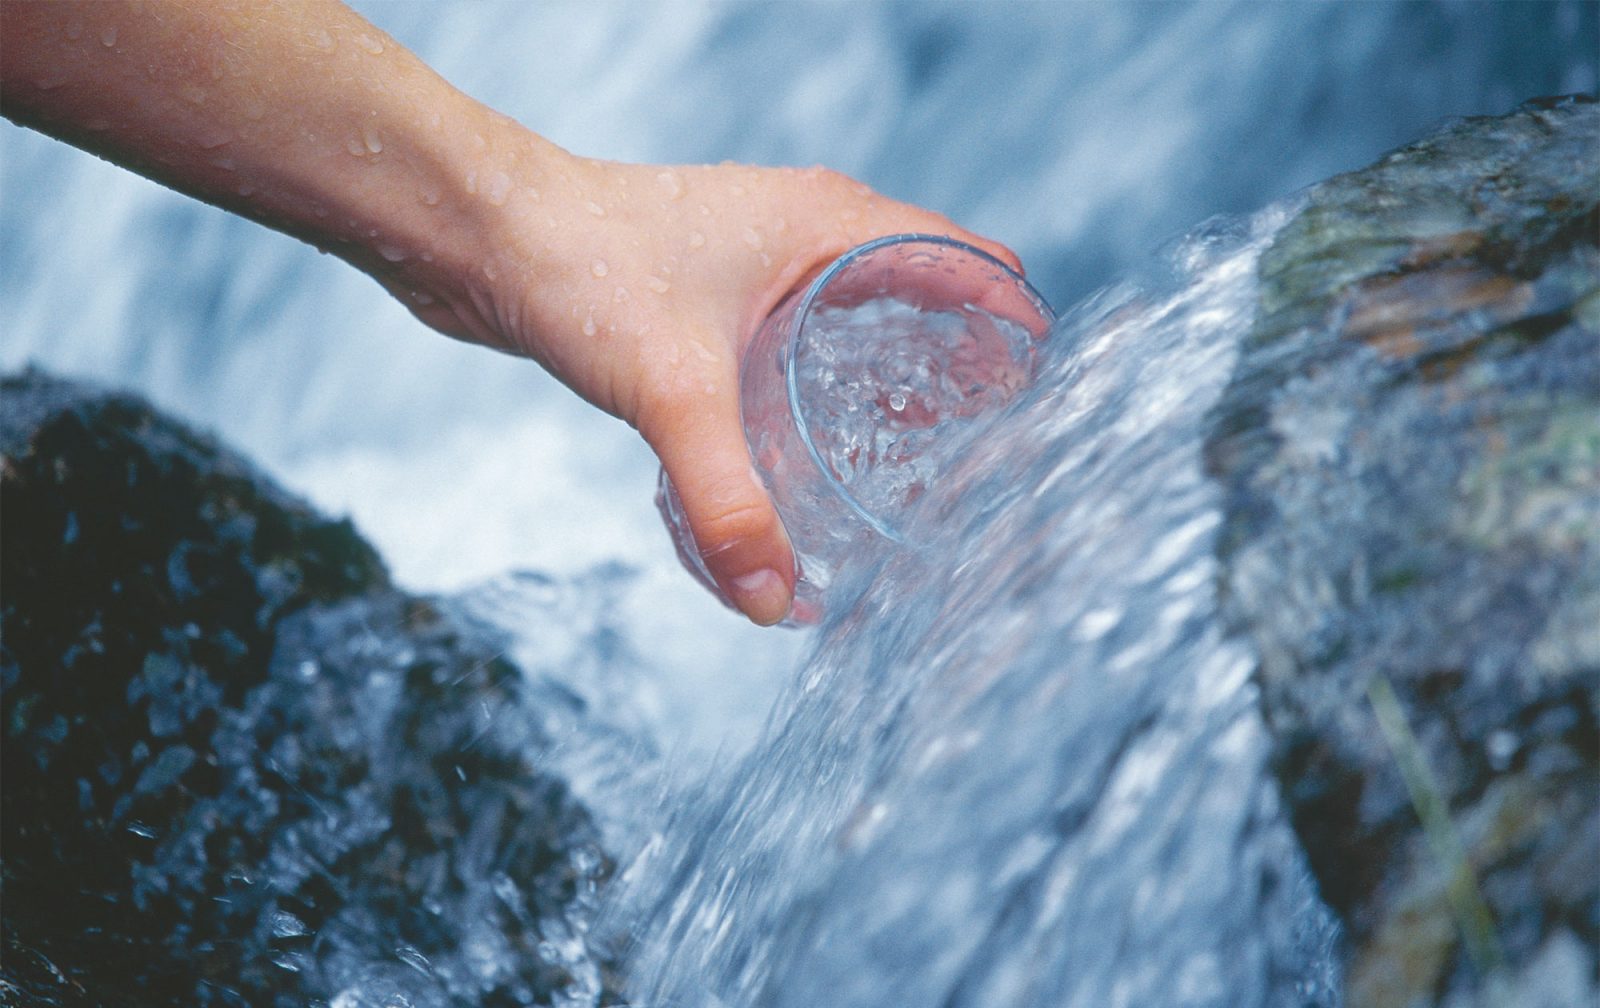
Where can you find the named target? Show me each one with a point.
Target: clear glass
(855, 376)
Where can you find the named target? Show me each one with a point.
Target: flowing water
(1025, 767)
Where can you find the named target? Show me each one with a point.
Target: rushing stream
(1025, 766)
(1038, 779)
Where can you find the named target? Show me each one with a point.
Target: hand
(635, 285)
(639, 285)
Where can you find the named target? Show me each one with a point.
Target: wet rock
(240, 767)
(1411, 458)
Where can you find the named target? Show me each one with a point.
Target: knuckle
(723, 528)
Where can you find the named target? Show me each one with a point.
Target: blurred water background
(1084, 135)
(1081, 134)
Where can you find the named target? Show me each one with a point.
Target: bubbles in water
(287, 925)
(415, 959)
(882, 382)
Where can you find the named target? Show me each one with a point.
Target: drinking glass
(850, 384)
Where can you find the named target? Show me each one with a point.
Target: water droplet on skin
(424, 300)
(705, 211)
(429, 196)
(225, 163)
(320, 210)
(621, 295)
(212, 140)
(752, 238)
(373, 142)
(472, 182)
(588, 326)
(599, 268)
(355, 147)
(321, 39)
(426, 257)
(780, 225)
(658, 285)
(370, 44)
(595, 208)
(696, 239)
(193, 95)
(372, 233)
(671, 183)
(497, 188)
(392, 253)
(246, 189)
(490, 273)
(108, 36)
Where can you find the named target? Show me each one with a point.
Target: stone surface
(1410, 452)
(240, 767)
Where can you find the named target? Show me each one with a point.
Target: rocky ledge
(241, 768)
(1410, 452)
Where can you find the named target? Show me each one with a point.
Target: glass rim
(803, 313)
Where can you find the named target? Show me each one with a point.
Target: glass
(854, 376)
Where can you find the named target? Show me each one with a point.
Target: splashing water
(1039, 779)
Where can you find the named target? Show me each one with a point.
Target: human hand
(636, 285)
(639, 285)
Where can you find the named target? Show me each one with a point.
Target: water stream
(1038, 779)
(1025, 767)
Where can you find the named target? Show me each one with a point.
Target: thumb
(736, 529)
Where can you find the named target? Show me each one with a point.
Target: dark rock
(1410, 453)
(241, 768)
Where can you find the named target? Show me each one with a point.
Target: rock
(241, 768)
(1410, 452)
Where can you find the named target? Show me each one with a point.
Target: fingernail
(763, 596)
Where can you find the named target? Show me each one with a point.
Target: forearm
(299, 115)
